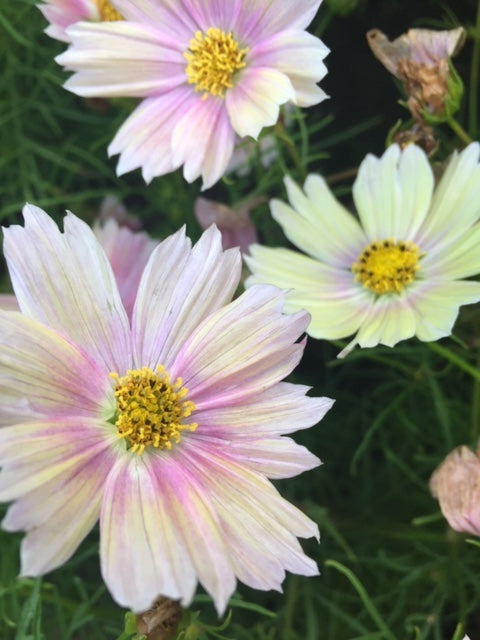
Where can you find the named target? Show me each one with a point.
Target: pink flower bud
(456, 484)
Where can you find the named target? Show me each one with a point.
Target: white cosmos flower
(396, 272)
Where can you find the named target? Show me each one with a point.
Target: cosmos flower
(456, 484)
(397, 272)
(207, 71)
(234, 224)
(165, 428)
(128, 251)
(63, 13)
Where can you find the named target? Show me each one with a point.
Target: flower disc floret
(107, 12)
(213, 59)
(150, 409)
(387, 266)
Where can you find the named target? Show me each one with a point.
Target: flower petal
(193, 283)
(260, 18)
(8, 302)
(318, 224)
(436, 304)
(59, 514)
(458, 259)
(390, 319)
(456, 202)
(64, 280)
(169, 17)
(393, 193)
(145, 138)
(62, 13)
(259, 526)
(254, 102)
(128, 252)
(284, 408)
(203, 140)
(241, 349)
(130, 59)
(148, 545)
(295, 53)
(41, 373)
(33, 454)
(272, 457)
(337, 304)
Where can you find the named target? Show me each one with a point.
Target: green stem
(475, 429)
(364, 597)
(459, 130)
(474, 79)
(455, 359)
(282, 134)
(289, 607)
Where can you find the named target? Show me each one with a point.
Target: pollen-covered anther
(212, 60)
(151, 409)
(107, 11)
(387, 266)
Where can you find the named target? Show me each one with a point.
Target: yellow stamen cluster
(213, 58)
(150, 409)
(107, 12)
(387, 266)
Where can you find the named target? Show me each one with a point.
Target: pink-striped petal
(44, 374)
(281, 409)
(64, 280)
(254, 102)
(240, 350)
(131, 59)
(33, 454)
(260, 18)
(128, 252)
(169, 17)
(194, 282)
(203, 140)
(145, 138)
(260, 527)
(148, 545)
(60, 513)
(275, 458)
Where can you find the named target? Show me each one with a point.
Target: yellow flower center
(150, 409)
(213, 58)
(107, 12)
(387, 266)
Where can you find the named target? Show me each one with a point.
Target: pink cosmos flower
(62, 13)
(206, 70)
(235, 225)
(164, 427)
(128, 252)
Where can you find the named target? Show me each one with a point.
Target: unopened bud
(456, 484)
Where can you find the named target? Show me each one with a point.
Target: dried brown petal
(160, 622)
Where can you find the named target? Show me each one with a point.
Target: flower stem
(474, 79)
(455, 359)
(475, 429)
(457, 128)
(282, 134)
(360, 589)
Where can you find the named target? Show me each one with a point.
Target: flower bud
(456, 484)
(421, 59)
